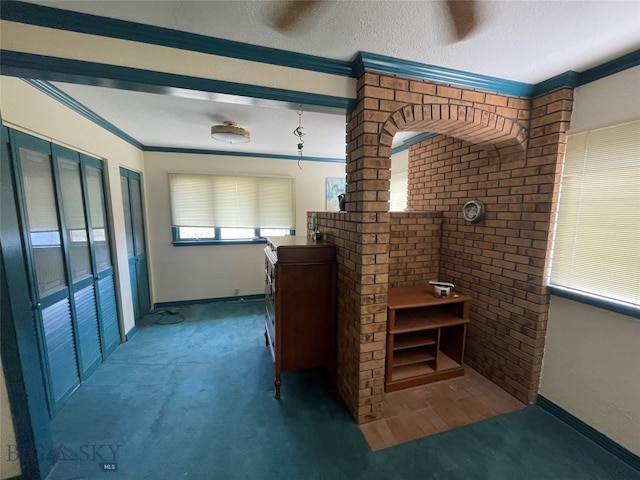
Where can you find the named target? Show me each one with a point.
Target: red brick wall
(501, 260)
(414, 249)
(514, 145)
(362, 275)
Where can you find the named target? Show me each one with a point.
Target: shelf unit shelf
(417, 339)
(425, 336)
(411, 356)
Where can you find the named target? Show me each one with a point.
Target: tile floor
(428, 409)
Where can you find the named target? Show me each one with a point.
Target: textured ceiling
(525, 41)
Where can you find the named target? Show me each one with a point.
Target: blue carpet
(194, 400)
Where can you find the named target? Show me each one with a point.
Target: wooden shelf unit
(425, 336)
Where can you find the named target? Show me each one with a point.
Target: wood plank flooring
(428, 409)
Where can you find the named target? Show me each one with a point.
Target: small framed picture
(335, 187)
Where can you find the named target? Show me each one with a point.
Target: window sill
(191, 243)
(595, 301)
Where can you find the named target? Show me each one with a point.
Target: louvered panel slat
(109, 313)
(89, 336)
(61, 352)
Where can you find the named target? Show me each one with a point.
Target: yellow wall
(591, 361)
(80, 46)
(591, 368)
(26, 108)
(8, 468)
(213, 271)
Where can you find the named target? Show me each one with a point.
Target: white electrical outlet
(236, 291)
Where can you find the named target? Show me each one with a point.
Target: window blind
(398, 192)
(597, 238)
(231, 201)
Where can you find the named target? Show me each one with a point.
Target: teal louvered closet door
(50, 293)
(66, 234)
(76, 240)
(101, 250)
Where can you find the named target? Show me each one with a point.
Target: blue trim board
(182, 303)
(592, 434)
(27, 65)
(95, 25)
(131, 333)
(595, 301)
(244, 154)
(616, 65)
(564, 80)
(57, 94)
(373, 62)
(198, 243)
(412, 141)
(108, 27)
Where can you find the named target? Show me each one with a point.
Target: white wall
(400, 162)
(26, 108)
(609, 101)
(214, 271)
(591, 363)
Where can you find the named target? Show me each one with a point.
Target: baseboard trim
(131, 333)
(234, 299)
(592, 434)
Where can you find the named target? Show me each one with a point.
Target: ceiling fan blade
(463, 16)
(292, 14)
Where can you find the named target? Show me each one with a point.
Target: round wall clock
(473, 211)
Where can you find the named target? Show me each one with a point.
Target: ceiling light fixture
(230, 132)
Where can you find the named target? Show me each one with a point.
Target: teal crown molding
(616, 65)
(57, 94)
(364, 61)
(40, 68)
(372, 62)
(412, 141)
(27, 65)
(108, 27)
(573, 79)
(243, 154)
(568, 79)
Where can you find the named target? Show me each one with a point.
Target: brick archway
(499, 148)
(498, 135)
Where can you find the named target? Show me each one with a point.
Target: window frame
(257, 239)
(594, 300)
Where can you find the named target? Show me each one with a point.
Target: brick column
(484, 150)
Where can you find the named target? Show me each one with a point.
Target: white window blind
(398, 192)
(231, 201)
(597, 238)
